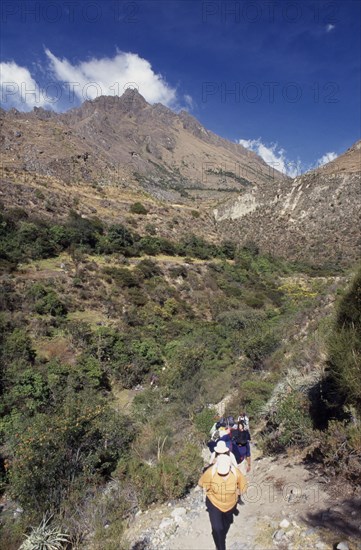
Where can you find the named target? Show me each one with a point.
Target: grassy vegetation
(108, 372)
(325, 417)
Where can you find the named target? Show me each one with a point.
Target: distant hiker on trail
(154, 380)
(223, 484)
(241, 438)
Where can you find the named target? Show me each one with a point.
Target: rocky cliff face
(315, 216)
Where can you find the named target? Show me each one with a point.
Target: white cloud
(188, 101)
(64, 82)
(111, 76)
(19, 89)
(273, 155)
(327, 157)
(330, 27)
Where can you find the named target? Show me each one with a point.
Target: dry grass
(57, 347)
(91, 316)
(123, 398)
(47, 264)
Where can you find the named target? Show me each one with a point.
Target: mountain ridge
(124, 144)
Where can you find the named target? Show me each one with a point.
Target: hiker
(241, 437)
(223, 484)
(222, 449)
(154, 380)
(214, 433)
(244, 418)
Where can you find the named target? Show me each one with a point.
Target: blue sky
(280, 76)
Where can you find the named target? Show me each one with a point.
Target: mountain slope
(314, 217)
(122, 145)
(120, 139)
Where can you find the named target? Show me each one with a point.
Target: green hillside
(116, 346)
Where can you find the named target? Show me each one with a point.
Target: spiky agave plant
(45, 537)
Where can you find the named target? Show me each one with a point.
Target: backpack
(222, 423)
(230, 421)
(240, 438)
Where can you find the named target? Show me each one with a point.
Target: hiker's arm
(248, 457)
(241, 483)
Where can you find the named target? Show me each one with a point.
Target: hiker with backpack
(241, 438)
(223, 484)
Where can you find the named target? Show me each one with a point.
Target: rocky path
(286, 507)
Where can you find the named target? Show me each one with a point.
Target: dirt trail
(280, 489)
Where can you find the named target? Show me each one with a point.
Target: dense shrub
(50, 304)
(138, 208)
(259, 345)
(84, 231)
(345, 346)
(147, 269)
(291, 423)
(204, 420)
(191, 245)
(339, 449)
(169, 478)
(118, 239)
(251, 396)
(59, 453)
(18, 347)
(122, 276)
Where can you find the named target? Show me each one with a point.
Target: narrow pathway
(280, 506)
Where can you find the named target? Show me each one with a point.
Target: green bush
(84, 231)
(149, 245)
(260, 345)
(251, 397)
(169, 478)
(18, 347)
(59, 453)
(204, 420)
(293, 422)
(138, 208)
(148, 269)
(118, 239)
(137, 297)
(27, 392)
(178, 271)
(150, 228)
(50, 304)
(349, 309)
(345, 365)
(122, 276)
(255, 301)
(344, 347)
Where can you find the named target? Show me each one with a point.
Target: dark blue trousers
(220, 522)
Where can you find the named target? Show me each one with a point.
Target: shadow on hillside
(326, 404)
(345, 523)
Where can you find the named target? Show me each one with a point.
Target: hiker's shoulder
(206, 476)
